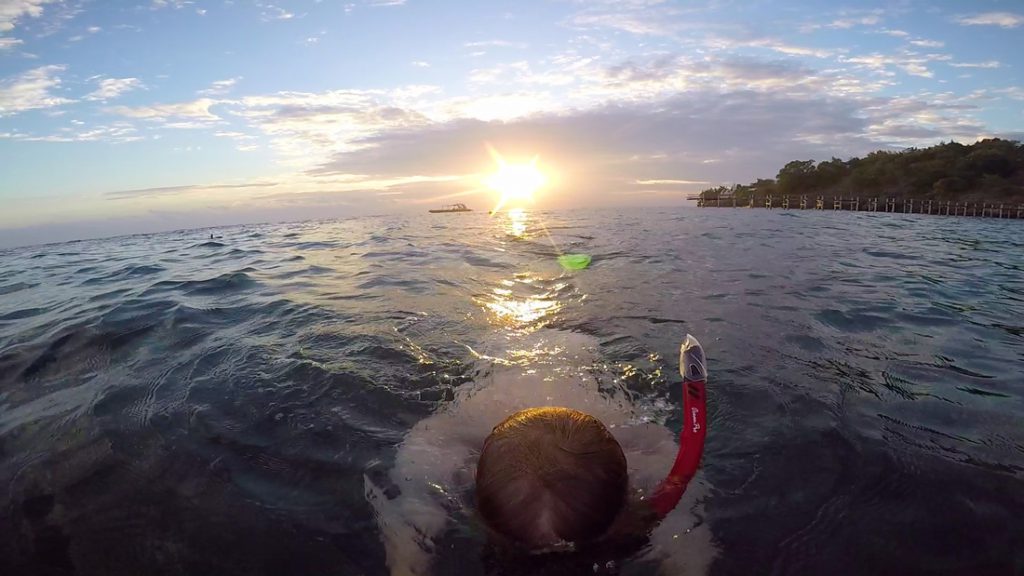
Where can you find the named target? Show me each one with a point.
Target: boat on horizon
(451, 208)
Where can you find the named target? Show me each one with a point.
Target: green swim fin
(574, 261)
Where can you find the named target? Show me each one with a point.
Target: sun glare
(515, 183)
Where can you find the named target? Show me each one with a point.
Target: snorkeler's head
(547, 476)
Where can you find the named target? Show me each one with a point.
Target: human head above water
(550, 475)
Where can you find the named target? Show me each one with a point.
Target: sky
(125, 117)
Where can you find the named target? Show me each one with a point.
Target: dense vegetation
(988, 171)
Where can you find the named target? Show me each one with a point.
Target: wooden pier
(873, 204)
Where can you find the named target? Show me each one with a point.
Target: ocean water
(176, 404)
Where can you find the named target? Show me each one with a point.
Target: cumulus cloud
(31, 90)
(13, 10)
(1001, 19)
(111, 88)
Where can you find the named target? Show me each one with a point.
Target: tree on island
(990, 170)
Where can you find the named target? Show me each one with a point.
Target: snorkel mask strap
(693, 368)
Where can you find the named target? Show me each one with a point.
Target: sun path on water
(515, 183)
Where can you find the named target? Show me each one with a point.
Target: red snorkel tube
(693, 368)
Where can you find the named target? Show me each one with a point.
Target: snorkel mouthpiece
(692, 366)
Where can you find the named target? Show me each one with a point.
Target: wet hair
(550, 476)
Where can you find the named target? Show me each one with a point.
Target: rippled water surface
(175, 404)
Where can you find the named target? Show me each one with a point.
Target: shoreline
(1012, 211)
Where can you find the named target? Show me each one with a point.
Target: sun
(516, 183)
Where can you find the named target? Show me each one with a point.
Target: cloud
(640, 25)
(647, 79)
(911, 63)
(891, 32)
(181, 115)
(220, 87)
(165, 190)
(519, 74)
(175, 4)
(639, 17)
(420, 63)
(31, 90)
(303, 127)
(8, 43)
(1001, 19)
(89, 30)
(233, 135)
(1015, 92)
(111, 88)
(13, 10)
(986, 64)
(495, 44)
(271, 13)
(384, 3)
(923, 120)
(118, 132)
(928, 43)
(789, 49)
(844, 23)
(851, 18)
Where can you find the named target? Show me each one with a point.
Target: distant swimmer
(554, 485)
